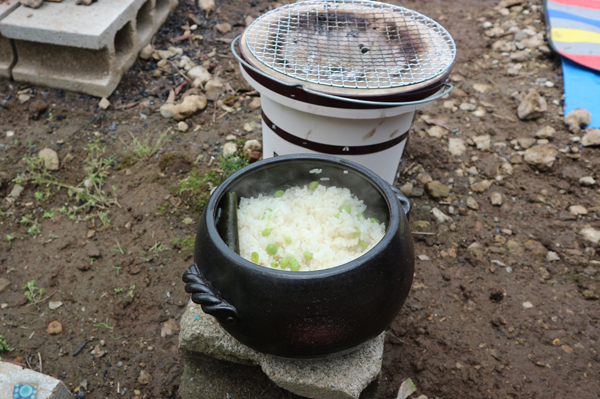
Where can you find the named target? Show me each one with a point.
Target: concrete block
(339, 377)
(6, 51)
(17, 382)
(83, 49)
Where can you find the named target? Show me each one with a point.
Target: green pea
(375, 220)
(274, 265)
(288, 239)
(345, 208)
(285, 262)
(357, 233)
(308, 255)
(271, 249)
(254, 257)
(363, 244)
(266, 232)
(268, 210)
(313, 185)
(279, 193)
(295, 266)
(360, 215)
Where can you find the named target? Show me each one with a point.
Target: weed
(118, 290)
(34, 230)
(103, 325)
(92, 261)
(118, 249)
(139, 150)
(130, 293)
(186, 245)
(4, 345)
(231, 164)
(32, 292)
(103, 216)
(42, 196)
(10, 237)
(26, 220)
(198, 187)
(48, 214)
(158, 247)
(117, 268)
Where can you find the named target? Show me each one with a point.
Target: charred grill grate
(351, 44)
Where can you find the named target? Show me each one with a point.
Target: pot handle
(209, 298)
(404, 201)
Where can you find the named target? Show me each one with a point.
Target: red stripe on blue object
(593, 4)
(590, 61)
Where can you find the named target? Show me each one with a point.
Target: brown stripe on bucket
(332, 149)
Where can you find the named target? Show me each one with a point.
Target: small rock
(166, 110)
(591, 138)
(169, 328)
(590, 295)
(32, 3)
(144, 378)
(471, 203)
(520, 56)
(437, 190)
(407, 189)
(544, 274)
(578, 118)
(255, 103)
(252, 145)
(421, 225)
(147, 52)
(16, 191)
(4, 284)
(10, 133)
(104, 103)
(532, 106)
(527, 305)
(587, 181)
(423, 258)
(199, 75)
(456, 146)
(213, 89)
(591, 234)
(190, 106)
(481, 186)
(54, 304)
(54, 327)
(496, 198)
(229, 149)
(536, 248)
(481, 88)
(50, 158)
(514, 247)
(248, 127)
(578, 210)
(484, 142)
(526, 142)
(423, 178)
(552, 256)
(437, 132)
(449, 253)
(23, 98)
(541, 157)
(120, 364)
(182, 126)
(467, 107)
(440, 216)
(223, 28)
(92, 250)
(90, 233)
(188, 220)
(206, 5)
(547, 132)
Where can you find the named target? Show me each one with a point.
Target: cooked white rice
(316, 221)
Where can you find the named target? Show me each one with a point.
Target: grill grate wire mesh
(351, 44)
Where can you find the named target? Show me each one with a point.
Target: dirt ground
(505, 298)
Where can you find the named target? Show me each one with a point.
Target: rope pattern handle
(206, 296)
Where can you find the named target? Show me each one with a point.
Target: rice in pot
(306, 228)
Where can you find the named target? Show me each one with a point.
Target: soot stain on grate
(344, 46)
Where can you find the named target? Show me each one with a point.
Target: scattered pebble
(4, 284)
(229, 149)
(552, 256)
(252, 145)
(437, 190)
(50, 158)
(440, 216)
(591, 138)
(472, 203)
(481, 186)
(144, 378)
(423, 258)
(532, 106)
(54, 327)
(527, 305)
(591, 234)
(169, 328)
(54, 304)
(182, 126)
(578, 210)
(456, 146)
(255, 103)
(104, 103)
(223, 28)
(578, 118)
(541, 157)
(587, 181)
(496, 198)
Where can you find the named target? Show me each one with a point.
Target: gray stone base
(340, 377)
(25, 380)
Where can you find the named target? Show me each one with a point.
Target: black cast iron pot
(304, 314)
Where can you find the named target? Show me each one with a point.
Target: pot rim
(393, 223)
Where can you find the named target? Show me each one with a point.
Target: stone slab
(17, 382)
(339, 377)
(67, 24)
(6, 8)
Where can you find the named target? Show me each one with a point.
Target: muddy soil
(505, 298)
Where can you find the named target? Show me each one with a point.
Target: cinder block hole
(124, 40)
(51, 63)
(144, 20)
(162, 6)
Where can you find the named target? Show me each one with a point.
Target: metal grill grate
(351, 44)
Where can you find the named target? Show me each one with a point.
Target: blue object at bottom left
(25, 391)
